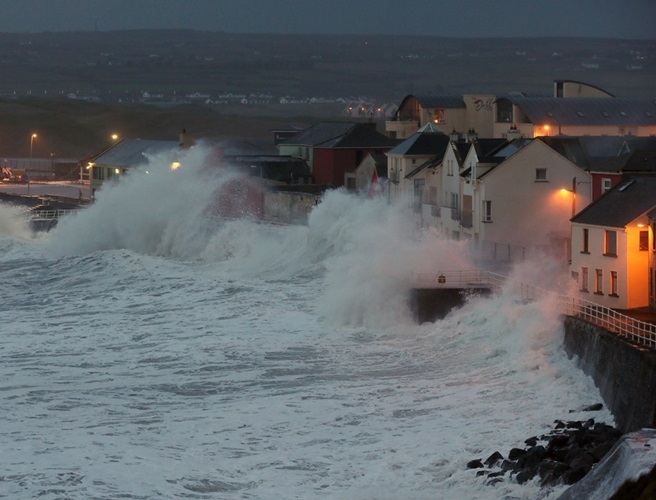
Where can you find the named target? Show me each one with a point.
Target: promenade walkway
(638, 326)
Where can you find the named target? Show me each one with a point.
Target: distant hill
(114, 66)
(75, 89)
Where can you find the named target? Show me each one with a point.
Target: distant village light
(175, 165)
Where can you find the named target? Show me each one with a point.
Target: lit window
(610, 243)
(540, 174)
(586, 240)
(599, 281)
(644, 240)
(438, 116)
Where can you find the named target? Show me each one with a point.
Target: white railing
(50, 214)
(634, 330)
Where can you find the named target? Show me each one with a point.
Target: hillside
(76, 89)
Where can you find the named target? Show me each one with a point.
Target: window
(605, 185)
(432, 195)
(98, 173)
(540, 175)
(610, 243)
(599, 282)
(449, 167)
(454, 201)
(438, 116)
(487, 211)
(586, 241)
(584, 279)
(613, 283)
(644, 241)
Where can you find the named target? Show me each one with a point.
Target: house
(515, 200)
(613, 246)
(608, 159)
(574, 109)
(125, 155)
(413, 161)
(334, 149)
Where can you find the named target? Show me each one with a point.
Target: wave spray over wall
(150, 348)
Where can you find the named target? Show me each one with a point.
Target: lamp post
(32, 137)
(573, 196)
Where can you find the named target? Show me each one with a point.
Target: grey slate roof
(431, 162)
(587, 110)
(627, 201)
(437, 101)
(341, 135)
(422, 143)
(131, 153)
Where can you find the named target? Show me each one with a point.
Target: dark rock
(583, 461)
(532, 441)
(594, 407)
(573, 475)
(493, 459)
(599, 451)
(557, 441)
(475, 464)
(516, 453)
(524, 476)
(534, 456)
(497, 474)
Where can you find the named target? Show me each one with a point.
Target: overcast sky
(460, 18)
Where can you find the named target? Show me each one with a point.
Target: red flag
(374, 187)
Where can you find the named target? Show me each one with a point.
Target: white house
(409, 164)
(613, 246)
(516, 201)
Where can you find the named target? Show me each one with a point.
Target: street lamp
(32, 137)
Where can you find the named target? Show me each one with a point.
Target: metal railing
(634, 330)
(50, 214)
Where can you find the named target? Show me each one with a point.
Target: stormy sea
(150, 349)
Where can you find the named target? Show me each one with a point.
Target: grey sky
(460, 18)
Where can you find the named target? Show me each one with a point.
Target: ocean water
(149, 349)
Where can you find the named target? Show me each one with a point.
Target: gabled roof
(631, 198)
(341, 135)
(422, 143)
(640, 162)
(486, 149)
(587, 110)
(133, 152)
(436, 101)
(430, 163)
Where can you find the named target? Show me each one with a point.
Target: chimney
(186, 141)
(513, 133)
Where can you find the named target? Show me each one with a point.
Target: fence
(50, 214)
(634, 330)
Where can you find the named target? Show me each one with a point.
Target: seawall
(431, 304)
(624, 373)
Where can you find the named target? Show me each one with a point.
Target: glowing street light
(32, 137)
(114, 137)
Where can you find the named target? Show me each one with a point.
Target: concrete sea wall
(625, 374)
